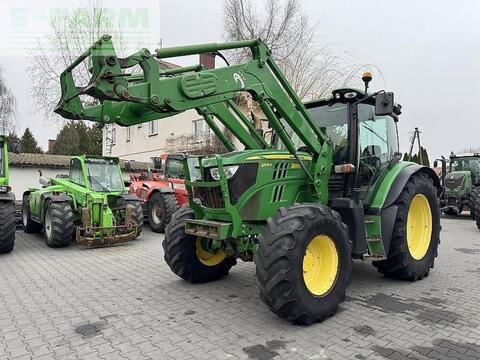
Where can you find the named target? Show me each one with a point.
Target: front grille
(453, 182)
(210, 197)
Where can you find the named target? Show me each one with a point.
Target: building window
(153, 127)
(114, 135)
(200, 128)
(128, 133)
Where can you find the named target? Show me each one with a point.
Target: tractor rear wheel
(7, 226)
(58, 224)
(161, 208)
(186, 256)
(303, 263)
(416, 233)
(29, 226)
(474, 194)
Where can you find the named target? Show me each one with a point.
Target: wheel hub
(419, 227)
(320, 265)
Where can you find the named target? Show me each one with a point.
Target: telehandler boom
(328, 188)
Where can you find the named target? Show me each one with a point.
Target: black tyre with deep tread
(474, 194)
(168, 203)
(400, 264)
(7, 226)
(137, 215)
(62, 226)
(477, 212)
(279, 262)
(29, 226)
(180, 252)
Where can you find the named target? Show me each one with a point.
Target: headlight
(228, 170)
(4, 188)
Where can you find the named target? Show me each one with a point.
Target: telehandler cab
(91, 206)
(7, 201)
(329, 188)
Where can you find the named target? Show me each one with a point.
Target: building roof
(62, 161)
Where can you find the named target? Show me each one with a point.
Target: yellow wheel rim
(419, 226)
(320, 265)
(206, 257)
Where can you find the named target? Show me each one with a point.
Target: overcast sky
(428, 51)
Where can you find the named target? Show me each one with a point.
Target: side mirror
(435, 163)
(384, 104)
(44, 181)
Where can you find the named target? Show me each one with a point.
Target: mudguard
(129, 197)
(55, 197)
(163, 190)
(7, 196)
(389, 210)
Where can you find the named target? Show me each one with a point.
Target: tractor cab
(100, 174)
(365, 144)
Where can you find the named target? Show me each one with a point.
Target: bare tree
(7, 107)
(312, 70)
(71, 33)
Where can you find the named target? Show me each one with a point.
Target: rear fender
(52, 198)
(7, 196)
(389, 210)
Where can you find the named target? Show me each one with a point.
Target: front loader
(329, 187)
(7, 201)
(91, 206)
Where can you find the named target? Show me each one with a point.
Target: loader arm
(129, 99)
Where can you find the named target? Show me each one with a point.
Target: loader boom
(129, 99)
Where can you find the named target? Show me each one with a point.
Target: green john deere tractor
(329, 186)
(461, 184)
(91, 206)
(7, 202)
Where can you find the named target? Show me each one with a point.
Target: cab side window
(76, 174)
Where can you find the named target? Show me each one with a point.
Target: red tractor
(162, 190)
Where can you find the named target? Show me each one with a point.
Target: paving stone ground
(124, 303)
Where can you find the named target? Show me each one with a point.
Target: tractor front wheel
(29, 226)
(416, 233)
(303, 263)
(187, 257)
(58, 224)
(137, 215)
(7, 226)
(161, 208)
(474, 195)
(477, 212)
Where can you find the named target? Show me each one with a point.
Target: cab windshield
(467, 163)
(104, 175)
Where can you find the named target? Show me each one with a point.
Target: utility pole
(416, 135)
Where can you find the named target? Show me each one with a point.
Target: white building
(143, 141)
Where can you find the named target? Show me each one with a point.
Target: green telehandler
(91, 206)
(329, 187)
(7, 201)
